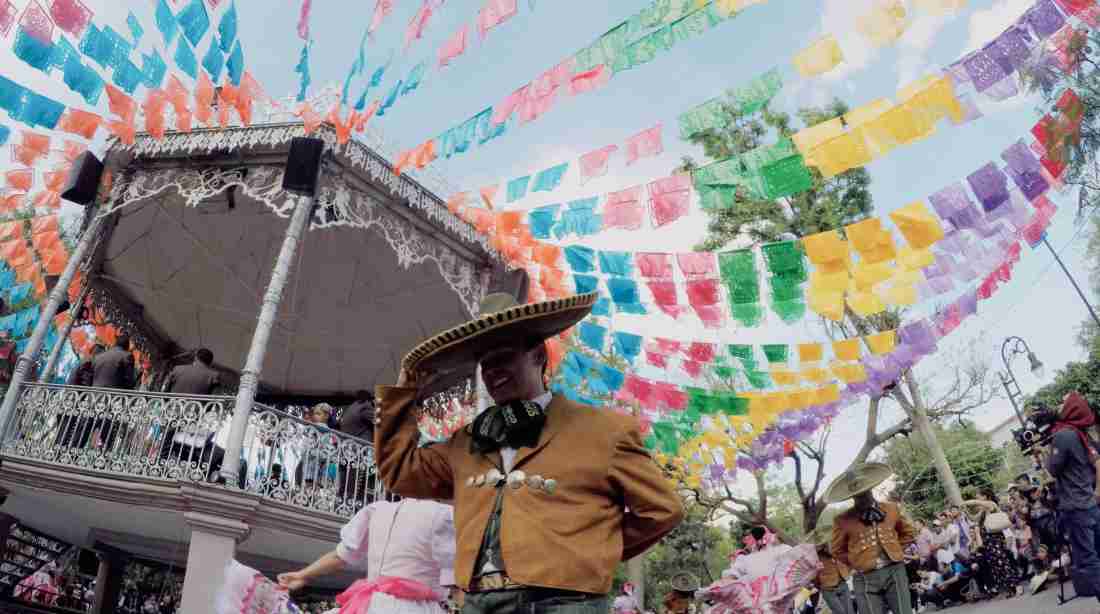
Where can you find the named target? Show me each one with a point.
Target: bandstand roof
(198, 222)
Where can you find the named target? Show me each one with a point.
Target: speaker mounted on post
(82, 184)
(303, 166)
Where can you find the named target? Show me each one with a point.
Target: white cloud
(914, 45)
(986, 24)
(838, 17)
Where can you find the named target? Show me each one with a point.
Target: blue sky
(1038, 305)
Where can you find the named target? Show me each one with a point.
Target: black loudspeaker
(87, 563)
(303, 166)
(83, 182)
(51, 282)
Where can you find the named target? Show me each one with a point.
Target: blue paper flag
(602, 307)
(35, 53)
(376, 78)
(581, 259)
(128, 77)
(136, 31)
(628, 345)
(186, 60)
(617, 263)
(592, 335)
(40, 111)
(612, 377)
(486, 129)
(580, 219)
(117, 47)
(83, 80)
(63, 51)
(550, 178)
(227, 28)
(517, 188)
(235, 64)
(624, 292)
(194, 21)
(166, 22)
(5, 134)
(541, 221)
(214, 62)
(463, 135)
(153, 69)
(390, 99)
(413, 80)
(586, 283)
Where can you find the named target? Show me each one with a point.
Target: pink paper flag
(454, 47)
(667, 346)
(664, 294)
(37, 22)
(656, 359)
(303, 19)
(712, 316)
(627, 214)
(670, 396)
(7, 16)
(71, 15)
(697, 264)
(670, 199)
(594, 163)
(382, 8)
(504, 110)
(703, 292)
(644, 144)
(418, 23)
(536, 104)
(640, 389)
(589, 80)
(494, 13)
(652, 266)
(701, 352)
(692, 368)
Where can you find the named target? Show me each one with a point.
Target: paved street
(1045, 602)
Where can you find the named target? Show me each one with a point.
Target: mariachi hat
(684, 583)
(858, 479)
(502, 321)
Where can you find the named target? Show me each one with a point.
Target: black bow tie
(514, 425)
(872, 515)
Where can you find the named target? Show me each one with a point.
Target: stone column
(108, 580)
(213, 546)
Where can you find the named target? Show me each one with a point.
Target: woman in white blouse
(407, 549)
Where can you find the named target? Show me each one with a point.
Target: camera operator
(1074, 464)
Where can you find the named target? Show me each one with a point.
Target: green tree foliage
(829, 204)
(696, 547)
(977, 464)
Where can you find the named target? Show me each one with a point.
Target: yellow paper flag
(915, 259)
(865, 303)
(883, 342)
(840, 154)
(884, 24)
(867, 275)
(826, 303)
(850, 373)
(820, 57)
(809, 352)
(848, 349)
(899, 295)
(939, 6)
(920, 228)
(816, 375)
(809, 138)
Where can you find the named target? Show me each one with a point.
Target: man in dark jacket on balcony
(115, 367)
(198, 377)
(357, 420)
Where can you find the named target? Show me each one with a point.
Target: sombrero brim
(841, 489)
(463, 344)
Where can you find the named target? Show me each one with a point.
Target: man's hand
(293, 580)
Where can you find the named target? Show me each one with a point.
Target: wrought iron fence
(176, 437)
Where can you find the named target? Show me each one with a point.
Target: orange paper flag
(123, 130)
(121, 104)
(309, 117)
(12, 202)
(25, 156)
(250, 90)
(10, 231)
(36, 142)
(177, 95)
(80, 123)
(154, 105)
(44, 225)
(204, 99)
(343, 129)
(47, 200)
(74, 150)
(20, 179)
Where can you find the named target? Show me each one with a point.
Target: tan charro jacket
(832, 572)
(856, 544)
(571, 539)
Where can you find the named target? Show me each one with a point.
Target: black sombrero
(502, 320)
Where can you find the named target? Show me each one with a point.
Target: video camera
(1037, 430)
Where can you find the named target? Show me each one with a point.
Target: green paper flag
(777, 353)
(707, 116)
(786, 177)
(752, 96)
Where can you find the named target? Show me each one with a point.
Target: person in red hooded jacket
(1075, 464)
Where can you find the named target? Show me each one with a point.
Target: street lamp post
(1011, 348)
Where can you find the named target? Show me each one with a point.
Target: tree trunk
(635, 570)
(924, 426)
(811, 512)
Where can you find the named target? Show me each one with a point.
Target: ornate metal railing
(174, 437)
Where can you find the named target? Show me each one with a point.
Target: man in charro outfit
(870, 539)
(832, 580)
(549, 495)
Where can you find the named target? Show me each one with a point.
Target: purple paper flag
(918, 335)
(990, 185)
(1004, 89)
(1044, 18)
(967, 217)
(970, 110)
(1025, 170)
(943, 284)
(968, 303)
(1011, 49)
(950, 199)
(983, 70)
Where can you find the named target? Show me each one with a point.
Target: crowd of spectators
(993, 547)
